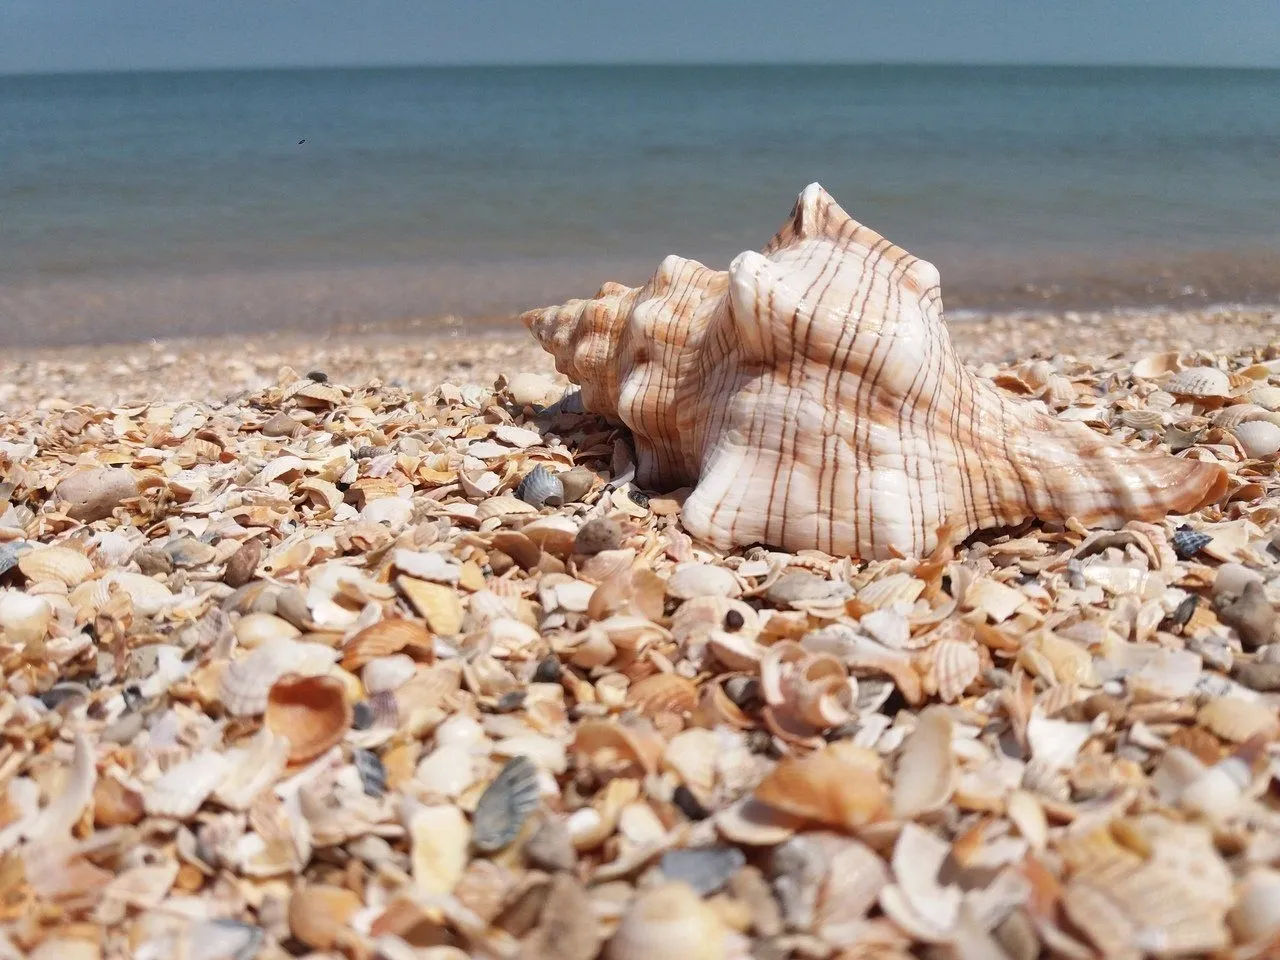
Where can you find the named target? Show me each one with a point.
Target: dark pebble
(638, 498)
(362, 716)
(733, 621)
(1258, 675)
(317, 376)
(547, 671)
(688, 804)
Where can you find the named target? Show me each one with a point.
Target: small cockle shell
(505, 805)
(663, 693)
(1199, 383)
(148, 595)
(1142, 419)
(312, 712)
(383, 639)
(838, 786)
(540, 487)
(1258, 438)
(956, 664)
(1266, 396)
(811, 398)
(60, 564)
(669, 921)
(1231, 417)
(255, 629)
(705, 869)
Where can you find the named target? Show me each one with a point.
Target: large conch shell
(811, 397)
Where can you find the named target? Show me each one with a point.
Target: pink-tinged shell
(811, 397)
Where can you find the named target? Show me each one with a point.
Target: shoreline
(421, 353)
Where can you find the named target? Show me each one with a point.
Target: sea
(140, 205)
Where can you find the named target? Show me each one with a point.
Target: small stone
(153, 560)
(551, 847)
(548, 670)
(280, 425)
(577, 483)
(596, 536)
(639, 498)
(317, 376)
(1252, 616)
(362, 716)
(797, 587)
(243, 563)
(91, 495)
(688, 804)
(1259, 675)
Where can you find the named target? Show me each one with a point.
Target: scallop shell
(709, 369)
(1199, 383)
(318, 915)
(838, 785)
(1267, 397)
(1142, 419)
(1231, 417)
(505, 805)
(895, 588)
(244, 684)
(956, 665)
(148, 595)
(182, 790)
(382, 639)
(312, 712)
(540, 487)
(669, 921)
(1258, 438)
(60, 564)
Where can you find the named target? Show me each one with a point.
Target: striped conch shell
(812, 399)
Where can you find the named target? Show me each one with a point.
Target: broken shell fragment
(505, 805)
(669, 921)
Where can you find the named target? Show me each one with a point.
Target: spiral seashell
(60, 564)
(540, 487)
(812, 399)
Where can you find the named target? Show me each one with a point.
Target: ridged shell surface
(811, 397)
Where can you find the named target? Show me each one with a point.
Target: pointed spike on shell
(811, 397)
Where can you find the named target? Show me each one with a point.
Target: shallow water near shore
(139, 205)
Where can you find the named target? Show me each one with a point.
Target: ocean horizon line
(646, 64)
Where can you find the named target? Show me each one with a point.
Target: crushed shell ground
(290, 669)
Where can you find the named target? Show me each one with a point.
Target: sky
(77, 35)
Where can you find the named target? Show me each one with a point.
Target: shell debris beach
(370, 647)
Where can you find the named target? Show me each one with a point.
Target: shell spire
(812, 398)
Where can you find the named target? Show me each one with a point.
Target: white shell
(23, 618)
(1259, 438)
(56, 563)
(1256, 914)
(388, 673)
(1199, 382)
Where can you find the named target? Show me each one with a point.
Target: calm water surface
(137, 204)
